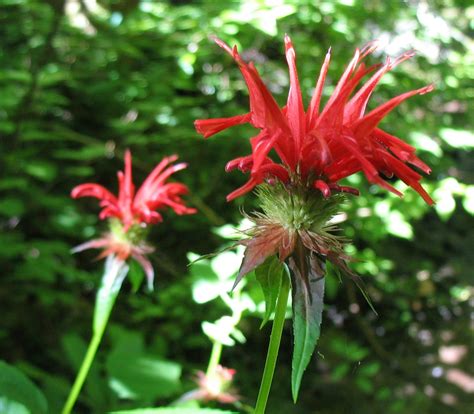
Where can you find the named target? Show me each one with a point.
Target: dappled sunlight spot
(461, 379)
(425, 337)
(452, 354)
(449, 399)
(437, 372)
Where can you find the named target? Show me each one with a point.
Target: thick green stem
(215, 358)
(84, 370)
(274, 346)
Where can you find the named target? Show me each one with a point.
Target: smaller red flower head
(130, 212)
(154, 194)
(319, 148)
(216, 386)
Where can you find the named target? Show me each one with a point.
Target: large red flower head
(131, 211)
(319, 148)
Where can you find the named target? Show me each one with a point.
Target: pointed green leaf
(307, 280)
(269, 276)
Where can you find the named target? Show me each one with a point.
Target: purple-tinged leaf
(307, 281)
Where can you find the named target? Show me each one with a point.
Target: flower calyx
(295, 219)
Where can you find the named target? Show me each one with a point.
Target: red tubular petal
(91, 244)
(225, 46)
(368, 48)
(126, 188)
(344, 189)
(263, 107)
(248, 186)
(406, 174)
(244, 164)
(155, 173)
(209, 127)
(156, 194)
(422, 192)
(261, 150)
(401, 149)
(323, 187)
(356, 106)
(295, 110)
(275, 170)
(333, 113)
(264, 110)
(368, 123)
(344, 78)
(126, 192)
(156, 178)
(313, 110)
(169, 172)
(93, 190)
(147, 268)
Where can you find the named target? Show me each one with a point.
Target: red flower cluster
(322, 147)
(131, 211)
(154, 194)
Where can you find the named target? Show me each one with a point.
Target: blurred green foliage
(81, 81)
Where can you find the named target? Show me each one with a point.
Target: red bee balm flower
(322, 147)
(130, 212)
(299, 194)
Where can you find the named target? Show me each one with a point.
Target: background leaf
(18, 394)
(139, 375)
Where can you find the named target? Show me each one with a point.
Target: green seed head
(297, 207)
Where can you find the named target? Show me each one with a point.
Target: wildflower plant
(129, 215)
(297, 161)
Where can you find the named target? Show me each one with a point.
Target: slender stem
(214, 358)
(115, 272)
(84, 370)
(274, 346)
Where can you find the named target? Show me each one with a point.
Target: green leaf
(140, 375)
(174, 411)
(307, 281)
(269, 276)
(10, 207)
(18, 394)
(42, 170)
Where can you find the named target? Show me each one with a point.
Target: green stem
(84, 370)
(115, 272)
(215, 358)
(274, 346)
